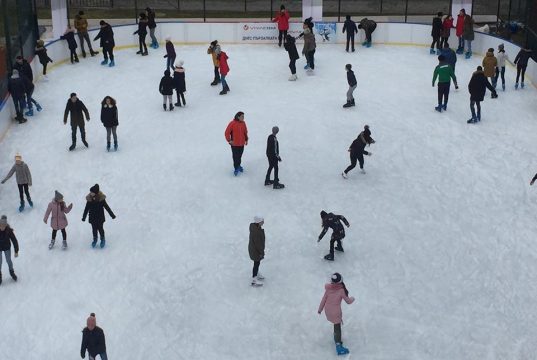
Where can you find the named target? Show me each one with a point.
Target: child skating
(109, 118)
(24, 180)
(57, 210)
(351, 80)
(179, 83)
(69, 36)
(357, 150)
(44, 59)
(7, 237)
(521, 61)
(333, 221)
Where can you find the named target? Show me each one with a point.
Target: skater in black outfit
(7, 237)
(533, 180)
(77, 110)
(69, 36)
(109, 118)
(41, 52)
(142, 33)
(436, 32)
(166, 87)
(93, 340)
(351, 79)
(273, 156)
(106, 34)
(24, 68)
(333, 222)
(290, 47)
(521, 61)
(357, 150)
(256, 249)
(179, 83)
(17, 88)
(95, 206)
(477, 87)
(350, 27)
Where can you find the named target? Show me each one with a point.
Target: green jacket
(444, 72)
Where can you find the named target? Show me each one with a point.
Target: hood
(100, 197)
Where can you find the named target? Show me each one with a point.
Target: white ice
(440, 255)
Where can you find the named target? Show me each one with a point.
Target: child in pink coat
(58, 221)
(331, 303)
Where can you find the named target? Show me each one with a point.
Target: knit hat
(58, 196)
(323, 213)
(348, 17)
(94, 189)
(367, 132)
(91, 322)
(180, 63)
(282, 7)
(258, 219)
(275, 130)
(18, 157)
(72, 94)
(500, 47)
(214, 42)
(168, 38)
(490, 50)
(15, 74)
(102, 22)
(348, 66)
(3, 220)
(336, 278)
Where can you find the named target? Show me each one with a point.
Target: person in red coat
(224, 69)
(447, 25)
(237, 137)
(282, 18)
(460, 29)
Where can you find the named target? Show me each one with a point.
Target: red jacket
(237, 132)
(282, 20)
(447, 25)
(460, 25)
(224, 67)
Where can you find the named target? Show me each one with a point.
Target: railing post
(339, 11)
(204, 12)
(498, 17)
(509, 13)
(406, 11)
(381, 6)
(136, 10)
(271, 9)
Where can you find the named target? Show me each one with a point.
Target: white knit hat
(258, 219)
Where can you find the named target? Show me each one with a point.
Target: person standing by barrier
(106, 35)
(369, 27)
(69, 36)
(500, 69)
(17, 89)
(436, 32)
(459, 30)
(309, 49)
(81, 26)
(521, 61)
(468, 34)
(447, 24)
(282, 18)
(142, 33)
(350, 27)
(151, 23)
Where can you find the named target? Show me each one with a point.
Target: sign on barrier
(325, 32)
(265, 32)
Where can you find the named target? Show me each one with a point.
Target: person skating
(351, 80)
(273, 157)
(444, 72)
(212, 51)
(57, 208)
(81, 26)
(7, 237)
(24, 68)
(521, 61)
(450, 57)
(237, 137)
(142, 33)
(334, 293)
(357, 151)
(290, 47)
(256, 249)
(490, 64)
(309, 49)
(30, 101)
(23, 176)
(533, 180)
(77, 109)
(468, 34)
(500, 69)
(477, 87)
(179, 83)
(332, 221)
(93, 340)
(152, 24)
(307, 23)
(44, 59)
(166, 89)
(447, 25)
(170, 54)
(106, 36)
(95, 206)
(350, 27)
(110, 120)
(224, 69)
(69, 36)
(282, 18)
(17, 89)
(436, 32)
(369, 27)
(459, 30)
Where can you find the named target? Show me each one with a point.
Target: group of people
(21, 87)
(441, 31)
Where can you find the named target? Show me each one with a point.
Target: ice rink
(440, 255)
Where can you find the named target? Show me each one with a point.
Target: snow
(440, 254)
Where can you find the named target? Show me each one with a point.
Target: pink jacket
(331, 302)
(59, 220)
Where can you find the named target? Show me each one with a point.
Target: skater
(170, 54)
(24, 68)
(237, 137)
(109, 118)
(106, 35)
(459, 30)
(357, 150)
(95, 206)
(7, 237)
(290, 47)
(477, 87)
(77, 110)
(81, 26)
(333, 222)
(447, 25)
(69, 36)
(468, 34)
(490, 65)
(166, 89)
(179, 83)
(273, 156)
(17, 88)
(521, 61)
(93, 340)
(369, 27)
(335, 292)
(533, 180)
(29, 88)
(58, 209)
(444, 72)
(256, 249)
(24, 180)
(309, 49)
(351, 79)
(450, 57)
(309, 24)
(500, 69)
(152, 26)
(436, 32)
(350, 27)
(142, 33)
(282, 18)
(212, 51)
(224, 69)
(41, 52)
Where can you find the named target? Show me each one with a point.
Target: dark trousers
(180, 96)
(337, 333)
(20, 104)
(498, 73)
(461, 42)
(82, 133)
(237, 155)
(44, 68)
(170, 62)
(23, 189)
(310, 58)
(273, 164)
(443, 42)
(368, 36)
(292, 66)
(84, 36)
(473, 105)
(74, 56)
(350, 38)
(108, 52)
(216, 74)
(281, 34)
(436, 40)
(255, 270)
(443, 93)
(64, 234)
(335, 238)
(520, 70)
(356, 156)
(141, 43)
(97, 228)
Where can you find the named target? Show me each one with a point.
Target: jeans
(97, 228)
(216, 74)
(74, 56)
(141, 43)
(111, 131)
(64, 234)
(498, 73)
(281, 34)
(84, 36)
(337, 333)
(224, 82)
(468, 45)
(82, 132)
(170, 63)
(350, 91)
(273, 164)
(236, 152)
(310, 58)
(461, 42)
(350, 38)
(477, 104)
(152, 35)
(443, 42)
(23, 189)
(255, 270)
(520, 70)
(292, 66)
(180, 96)
(103, 356)
(443, 93)
(7, 254)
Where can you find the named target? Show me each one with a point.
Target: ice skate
(329, 257)
(51, 245)
(64, 245)
(38, 107)
(260, 277)
(438, 108)
(104, 62)
(21, 207)
(269, 182)
(339, 247)
(348, 104)
(112, 64)
(341, 350)
(30, 112)
(345, 176)
(103, 243)
(256, 283)
(293, 77)
(94, 243)
(278, 186)
(13, 276)
(362, 171)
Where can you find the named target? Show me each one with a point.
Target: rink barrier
(185, 33)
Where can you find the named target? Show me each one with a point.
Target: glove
(456, 87)
(87, 119)
(45, 221)
(318, 240)
(279, 158)
(433, 84)
(113, 216)
(165, 56)
(16, 254)
(369, 153)
(3, 181)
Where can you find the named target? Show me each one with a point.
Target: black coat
(77, 110)
(26, 70)
(166, 85)
(437, 27)
(333, 222)
(41, 53)
(106, 34)
(350, 27)
(93, 341)
(179, 80)
(351, 79)
(151, 19)
(290, 46)
(273, 148)
(95, 206)
(358, 145)
(6, 238)
(521, 59)
(70, 37)
(142, 28)
(478, 86)
(16, 87)
(28, 85)
(109, 116)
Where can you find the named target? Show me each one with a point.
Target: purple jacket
(59, 220)
(331, 302)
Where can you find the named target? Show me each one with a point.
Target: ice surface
(440, 255)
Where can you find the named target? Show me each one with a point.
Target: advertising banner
(325, 32)
(265, 32)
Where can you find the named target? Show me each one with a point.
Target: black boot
(339, 247)
(269, 182)
(329, 257)
(226, 87)
(85, 142)
(108, 146)
(164, 106)
(348, 104)
(13, 276)
(171, 107)
(83, 54)
(178, 103)
(352, 102)
(76, 58)
(223, 92)
(278, 186)
(72, 147)
(93, 53)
